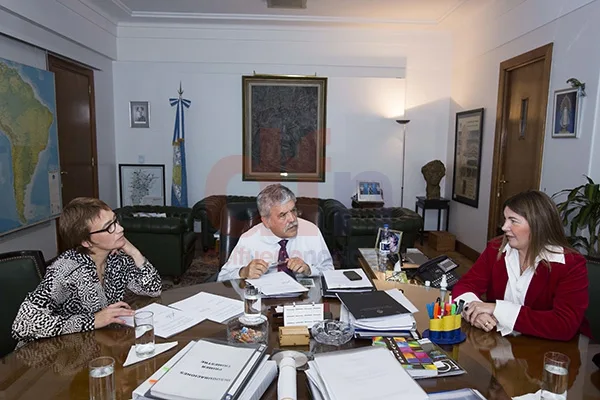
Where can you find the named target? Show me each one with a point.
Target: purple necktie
(283, 256)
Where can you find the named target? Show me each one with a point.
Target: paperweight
(332, 332)
(248, 330)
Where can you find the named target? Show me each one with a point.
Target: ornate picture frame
(565, 113)
(467, 157)
(284, 128)
(142, 184)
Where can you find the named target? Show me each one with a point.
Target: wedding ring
(487, 323)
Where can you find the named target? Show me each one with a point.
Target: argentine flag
(179, 196)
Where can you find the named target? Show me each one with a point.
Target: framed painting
(142, 184)
(565, 116)
(467, 157)
(284, 128)
(139, 114)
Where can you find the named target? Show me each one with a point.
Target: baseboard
(467, 251)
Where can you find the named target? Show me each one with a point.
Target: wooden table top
(56, 368)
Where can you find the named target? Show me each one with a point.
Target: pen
(453, 310)
(461, 303)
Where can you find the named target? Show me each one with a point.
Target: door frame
(541, 53)
(61, 62)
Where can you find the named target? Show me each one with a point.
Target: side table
(433, 204)
(367, 204)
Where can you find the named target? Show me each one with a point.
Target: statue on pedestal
(433, 172)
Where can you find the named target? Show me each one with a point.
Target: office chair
(20, 273)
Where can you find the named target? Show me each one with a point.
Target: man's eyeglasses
(110, 228)
(294, 211)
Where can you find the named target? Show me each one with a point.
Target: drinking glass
(144, 333)
(556, 376)
(102, 378)
(252, 303)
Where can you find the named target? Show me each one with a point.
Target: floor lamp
(403, 122)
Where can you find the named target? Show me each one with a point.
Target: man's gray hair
(272, 195)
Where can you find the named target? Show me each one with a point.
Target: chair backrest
(593, 312)
(237, 218)
(20, 273)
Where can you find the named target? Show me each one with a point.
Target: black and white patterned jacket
(71, 293)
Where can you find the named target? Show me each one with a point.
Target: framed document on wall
(467, 157)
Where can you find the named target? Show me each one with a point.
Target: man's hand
(476, 308)
(298, 265)
(255, 269)
(111, 314)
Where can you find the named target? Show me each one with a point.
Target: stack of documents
(400, 325)
(211, 306)
(368, 373)
(335, 281)
(168, 321)
(211, 370)
(278, 284)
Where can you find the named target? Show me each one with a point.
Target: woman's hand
(485, 321)
(475, 308)
(111, 314)
(133, 252)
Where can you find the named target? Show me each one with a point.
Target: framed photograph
(284, 128)
(467, 157)
(142, 184)
(139, 114)
(565, 118)
(369, 191)
(395, 240)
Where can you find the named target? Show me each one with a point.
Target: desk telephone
(433, 270)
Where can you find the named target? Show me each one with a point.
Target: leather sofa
(168, 240)
(208, 212)
(344, 230)
(237, 218)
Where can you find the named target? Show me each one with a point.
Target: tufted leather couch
(345, 230)
(208, 212)
(237, 218)
(168, 242)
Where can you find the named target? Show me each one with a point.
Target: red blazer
(556, 299)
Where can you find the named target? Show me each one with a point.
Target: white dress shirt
(259, 242)
(507, 310)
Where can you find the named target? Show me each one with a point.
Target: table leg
(447, 218)
(439, 218)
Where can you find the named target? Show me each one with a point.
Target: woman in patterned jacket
(84, 287)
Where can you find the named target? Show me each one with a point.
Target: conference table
(56, 368)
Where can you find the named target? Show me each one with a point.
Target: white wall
(364, 97)
(479, 50)
(15, 17)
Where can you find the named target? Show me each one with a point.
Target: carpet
(203, 266)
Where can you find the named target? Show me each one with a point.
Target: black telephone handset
(433, 270)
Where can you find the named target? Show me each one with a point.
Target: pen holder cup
(445, 330)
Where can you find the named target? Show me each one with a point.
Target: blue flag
(179, 197)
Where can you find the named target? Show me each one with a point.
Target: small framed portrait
(369, 191)
(394, 242)
(139, 114)
(565, 118)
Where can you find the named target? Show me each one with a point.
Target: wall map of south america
(29, 161)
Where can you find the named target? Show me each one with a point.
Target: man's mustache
(291, 225)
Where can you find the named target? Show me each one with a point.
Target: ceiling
(428, 12)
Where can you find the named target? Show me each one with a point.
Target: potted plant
(581, 212)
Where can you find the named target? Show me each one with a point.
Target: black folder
(371, 304)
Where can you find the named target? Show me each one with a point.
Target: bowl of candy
(248, 330)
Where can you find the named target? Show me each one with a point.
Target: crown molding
(277, 18)
(122, 6)
(98, 11)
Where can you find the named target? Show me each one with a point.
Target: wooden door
(520, 129)
(76, 130)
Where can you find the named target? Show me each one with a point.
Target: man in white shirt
(281, 242)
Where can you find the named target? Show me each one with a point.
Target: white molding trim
(450, 11)
(96, 10)
(123, 6)
(278, 18)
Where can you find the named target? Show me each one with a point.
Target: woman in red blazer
(533, 282)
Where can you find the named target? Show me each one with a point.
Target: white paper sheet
(373, 368)
(211, 306)
(402, 299)
(159, 348)
(337, 280)
(396, 322)
(278, 283)
(168, 321)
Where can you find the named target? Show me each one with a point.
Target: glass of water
(252, 303)
(556, 376)
(102, 379)
(144, 333)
